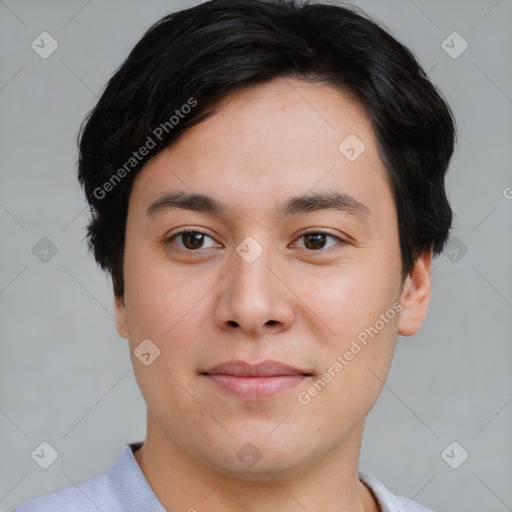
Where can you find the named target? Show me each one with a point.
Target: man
(266, 180)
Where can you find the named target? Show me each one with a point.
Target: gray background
(65, 373)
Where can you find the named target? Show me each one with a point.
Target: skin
(206, 305)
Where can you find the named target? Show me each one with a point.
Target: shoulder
(387, 500)
(122, 481)
(92, 495)
(123, 487)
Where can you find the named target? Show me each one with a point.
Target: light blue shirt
(124, 488)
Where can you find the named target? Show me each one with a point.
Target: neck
(182, 482)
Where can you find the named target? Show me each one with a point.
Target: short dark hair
(196, 56)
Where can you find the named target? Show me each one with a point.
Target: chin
(267, 471)
(261, 461)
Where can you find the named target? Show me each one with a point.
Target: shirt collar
(130, 485)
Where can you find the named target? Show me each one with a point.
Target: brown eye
(314, 241)
(317, 240)
(191, 240)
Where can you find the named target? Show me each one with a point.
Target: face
(293, 257)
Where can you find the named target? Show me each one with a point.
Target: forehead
(282, 118)
(268, 142)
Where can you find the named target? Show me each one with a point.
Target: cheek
(348, 299)
(161, 297)
(359, 307)
(355, 360)
(173, 309)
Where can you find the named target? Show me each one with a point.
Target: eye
(191, 239)
(316, 240)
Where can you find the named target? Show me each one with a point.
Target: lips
(255, 381)
(264, 369)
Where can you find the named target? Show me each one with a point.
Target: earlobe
(121, 316)
(415, 296)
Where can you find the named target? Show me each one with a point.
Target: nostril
(272, 322)
(232, 323)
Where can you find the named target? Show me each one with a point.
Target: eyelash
(307, 232)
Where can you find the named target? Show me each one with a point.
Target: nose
(254, 297)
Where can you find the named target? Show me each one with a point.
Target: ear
(415, 296)
(121, 316)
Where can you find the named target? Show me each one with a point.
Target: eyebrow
(310, 202)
